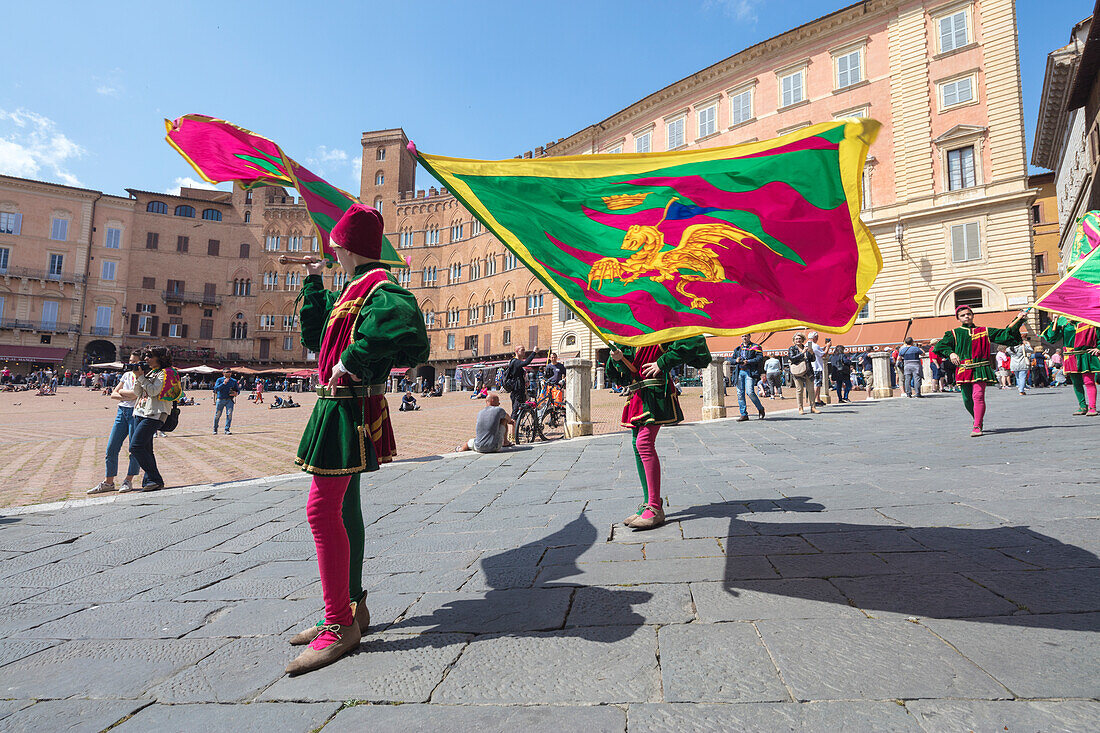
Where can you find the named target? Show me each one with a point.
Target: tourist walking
(968, 347)
(801, 357)
(1018, 362)
(226, 389)
(909, 355)
(359, 334)
(840, 369)
(747, 362)
(122, 429)
(866, 365)
(773, 369)
(645, 373)
(819, 353)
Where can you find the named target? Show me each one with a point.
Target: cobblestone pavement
(51, 448)
(872, 568)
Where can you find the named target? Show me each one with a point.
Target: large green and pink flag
(220, 151)
(1086, 236)
(651, 247)
(1077, 295)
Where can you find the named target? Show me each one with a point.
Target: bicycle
(541, 418)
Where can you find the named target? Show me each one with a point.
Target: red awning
(399, 372)
(33, 353)
(302, 374)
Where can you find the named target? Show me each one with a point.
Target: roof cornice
(1053, 115)
(785, 44)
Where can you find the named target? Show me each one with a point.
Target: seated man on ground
(408, 403)
(491, 428)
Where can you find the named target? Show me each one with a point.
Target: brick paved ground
(822, 575)
(51, 448)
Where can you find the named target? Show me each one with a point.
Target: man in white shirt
(773, 370)
(819, 366)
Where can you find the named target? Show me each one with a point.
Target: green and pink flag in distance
(220, 151)
(1077, 295)
(647, 248)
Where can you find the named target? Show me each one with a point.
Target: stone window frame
(982, 222)
(614, 148)
(732, 93)
(858, 47)
(680, 116)
(641, 132)
(946, 143)
(941, 104)
(711, 102)
(801, 68)
(952, 9)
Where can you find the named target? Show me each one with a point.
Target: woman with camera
(150, 412)
(123, 428)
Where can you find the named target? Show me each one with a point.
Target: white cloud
(742, 10)
(335, 164)
(189, 182)
(31, 146)
(108, 91)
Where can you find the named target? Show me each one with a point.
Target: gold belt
(345, 392)
(632, 388)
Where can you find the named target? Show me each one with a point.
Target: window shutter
(958, 246)
(18, 224)
(152, 308)
(213, 246)
(134, 324)
(164, 330)
(968, 176)
(183, 331)
(533, 337)
(973, 246)
(153, 326)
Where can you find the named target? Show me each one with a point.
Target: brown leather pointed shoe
(347, 640)
(643, 522)
(629, 521)
(362, 620)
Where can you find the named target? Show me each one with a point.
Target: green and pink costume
(653, 402)
(1079, 365)
(372, 326)
(973, 345)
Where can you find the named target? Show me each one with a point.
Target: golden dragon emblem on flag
(691, 254)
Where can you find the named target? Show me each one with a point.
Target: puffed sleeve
(691, 351)
(390, 334)
(945, 347)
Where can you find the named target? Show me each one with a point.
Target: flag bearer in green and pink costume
(652, 401)
(370, 327)
(1082, 359)
(969, 347)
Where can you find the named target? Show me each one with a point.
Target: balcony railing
(42, 326)
(32, 274)
(189, 296)
(101, 331)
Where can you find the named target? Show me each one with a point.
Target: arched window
(381, 154)
(378, 204)
(212, 214)
(247, 216)
(379, 178)
(238, 327)
(188, 211)
(244, 250)
(157, 207)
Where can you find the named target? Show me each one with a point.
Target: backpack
(172, 389)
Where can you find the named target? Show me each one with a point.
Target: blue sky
(86, 85)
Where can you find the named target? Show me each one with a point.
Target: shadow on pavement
(1009, 575)
(545, 605)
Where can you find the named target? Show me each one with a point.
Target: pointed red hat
(360, 231)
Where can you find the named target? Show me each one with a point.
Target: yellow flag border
(859, 134)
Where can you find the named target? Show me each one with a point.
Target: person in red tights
(371, 326)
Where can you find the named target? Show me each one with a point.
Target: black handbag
(172, 420)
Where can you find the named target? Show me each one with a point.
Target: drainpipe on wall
(87, 274)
